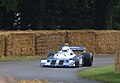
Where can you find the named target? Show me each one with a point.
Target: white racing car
(67, 58)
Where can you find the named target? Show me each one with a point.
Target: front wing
(59, 62)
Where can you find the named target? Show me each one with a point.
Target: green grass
(19, 58)
(104, 74)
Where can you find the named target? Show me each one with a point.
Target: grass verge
(104, 74)
(19, 58)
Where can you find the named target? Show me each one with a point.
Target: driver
(66, 48)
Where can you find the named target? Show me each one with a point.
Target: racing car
(66, 57)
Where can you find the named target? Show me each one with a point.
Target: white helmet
(66, 44)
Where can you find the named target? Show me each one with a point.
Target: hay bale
(33, 81)
(20, 44)
(49, 41)
(2, 45)
(107, 42)
(82, 38)
(117, 62)
(43, 42)
(7, 79)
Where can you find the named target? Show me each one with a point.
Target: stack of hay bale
(33, 81)
(2, 45)
(7, 79)
(82, 38)
(49, 41)
(20, 44)
(106, 42)
(117, 62)
(15, 43)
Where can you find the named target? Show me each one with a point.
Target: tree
(2, 16)
(63, 14)
(103, 14)
(8, 9)
(116, 15)
(29, 14)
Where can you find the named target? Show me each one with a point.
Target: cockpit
(64, 50)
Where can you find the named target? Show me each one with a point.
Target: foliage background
(61, 14)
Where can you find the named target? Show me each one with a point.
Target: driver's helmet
(65, 49)
(66, 44)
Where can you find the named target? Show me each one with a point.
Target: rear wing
(76, 48)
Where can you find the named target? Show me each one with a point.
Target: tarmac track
(29, 70)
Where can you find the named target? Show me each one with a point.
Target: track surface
(31, 70)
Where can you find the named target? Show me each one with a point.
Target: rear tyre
(87, 59)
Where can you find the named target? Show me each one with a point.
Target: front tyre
(51, 54)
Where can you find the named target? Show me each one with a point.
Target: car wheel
(87, 59)
(51, 54)
(76, 63)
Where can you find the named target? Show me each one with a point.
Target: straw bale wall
(20, 44)
(14, 43)
(49, 41)
(82, 38)
(2, 45)
(117, 62)
(107, 42)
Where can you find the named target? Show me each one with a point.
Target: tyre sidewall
(87, 59)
